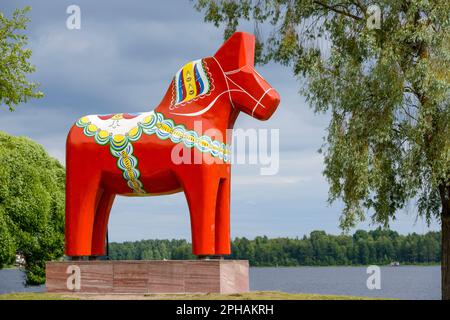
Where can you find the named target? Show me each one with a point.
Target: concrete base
(151, 276)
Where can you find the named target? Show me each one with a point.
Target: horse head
(249, 92)
(228, 77)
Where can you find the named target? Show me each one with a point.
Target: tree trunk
(445, 259)
(445, 253)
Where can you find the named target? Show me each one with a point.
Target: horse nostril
(270, 102)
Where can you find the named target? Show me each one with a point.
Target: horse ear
(237, 51)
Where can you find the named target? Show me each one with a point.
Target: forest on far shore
(380, 246)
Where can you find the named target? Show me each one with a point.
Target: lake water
(12, 280)
(405, 282)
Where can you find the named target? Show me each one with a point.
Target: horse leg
(82, 196)
(201, 196)
(222, 217)
(101, 223)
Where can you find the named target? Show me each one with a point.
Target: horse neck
(221, 116)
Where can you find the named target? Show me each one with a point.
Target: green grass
(257, 295)
(35, 296)
(9, 267)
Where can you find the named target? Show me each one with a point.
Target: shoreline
(304, 266)
(354, 265)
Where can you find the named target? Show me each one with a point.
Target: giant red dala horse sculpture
(132, 154)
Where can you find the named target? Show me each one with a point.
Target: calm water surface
(12, 280)
(406, 282)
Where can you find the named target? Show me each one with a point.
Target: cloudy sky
(122, 60)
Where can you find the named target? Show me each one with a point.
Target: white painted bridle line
(211, 104)
(226, 81)
(259, 101)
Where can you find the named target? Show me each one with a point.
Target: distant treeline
(319, 249)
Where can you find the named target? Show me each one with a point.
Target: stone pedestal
(152, 276)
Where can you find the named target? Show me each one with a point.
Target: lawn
(256, 295)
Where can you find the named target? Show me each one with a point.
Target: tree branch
(408, 113)
(345, 13)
